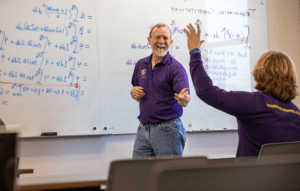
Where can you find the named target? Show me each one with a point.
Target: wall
(88, 158)
(284, 30)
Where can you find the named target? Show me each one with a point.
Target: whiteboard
(235, 34)
(77, 60)
(48, 67)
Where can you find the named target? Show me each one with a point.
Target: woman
(266, 116)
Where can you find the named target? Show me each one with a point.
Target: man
(160, 85)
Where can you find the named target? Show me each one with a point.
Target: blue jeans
(160, 139)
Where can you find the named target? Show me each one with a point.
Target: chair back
(280, 148)
(178, 176)
(279, 152)
(134, 174)
(8, 163)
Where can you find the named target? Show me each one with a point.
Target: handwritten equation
(213, 11)
(227, 66)
(47, 52)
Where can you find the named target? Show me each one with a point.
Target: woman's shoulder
(271, 101)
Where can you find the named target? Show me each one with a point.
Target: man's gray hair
(160, 25)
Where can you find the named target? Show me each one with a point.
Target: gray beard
(162, 54)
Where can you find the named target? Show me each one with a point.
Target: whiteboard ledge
(211, 131)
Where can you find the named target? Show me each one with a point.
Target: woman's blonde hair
(275, 73)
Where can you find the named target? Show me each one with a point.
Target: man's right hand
(137, 92)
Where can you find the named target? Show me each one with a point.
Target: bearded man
(160, 85)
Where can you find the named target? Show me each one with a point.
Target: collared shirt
(261, 118)
(160, 84)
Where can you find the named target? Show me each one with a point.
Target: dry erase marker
(49, 134)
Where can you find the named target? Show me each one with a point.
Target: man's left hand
(183, 98)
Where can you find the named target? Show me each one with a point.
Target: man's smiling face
(160, 41)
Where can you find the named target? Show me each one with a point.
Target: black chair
(179, 176)
(133, 175)
(8, 161)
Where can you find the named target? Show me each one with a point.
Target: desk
(56, 182)
(66, 185)
(25, 171)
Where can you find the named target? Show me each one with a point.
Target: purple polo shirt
(160, 84)
(261, 118)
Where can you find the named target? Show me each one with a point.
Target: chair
(8, 161)
(133, 175)
(180, 176)
(280, 148)
(279, 151)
